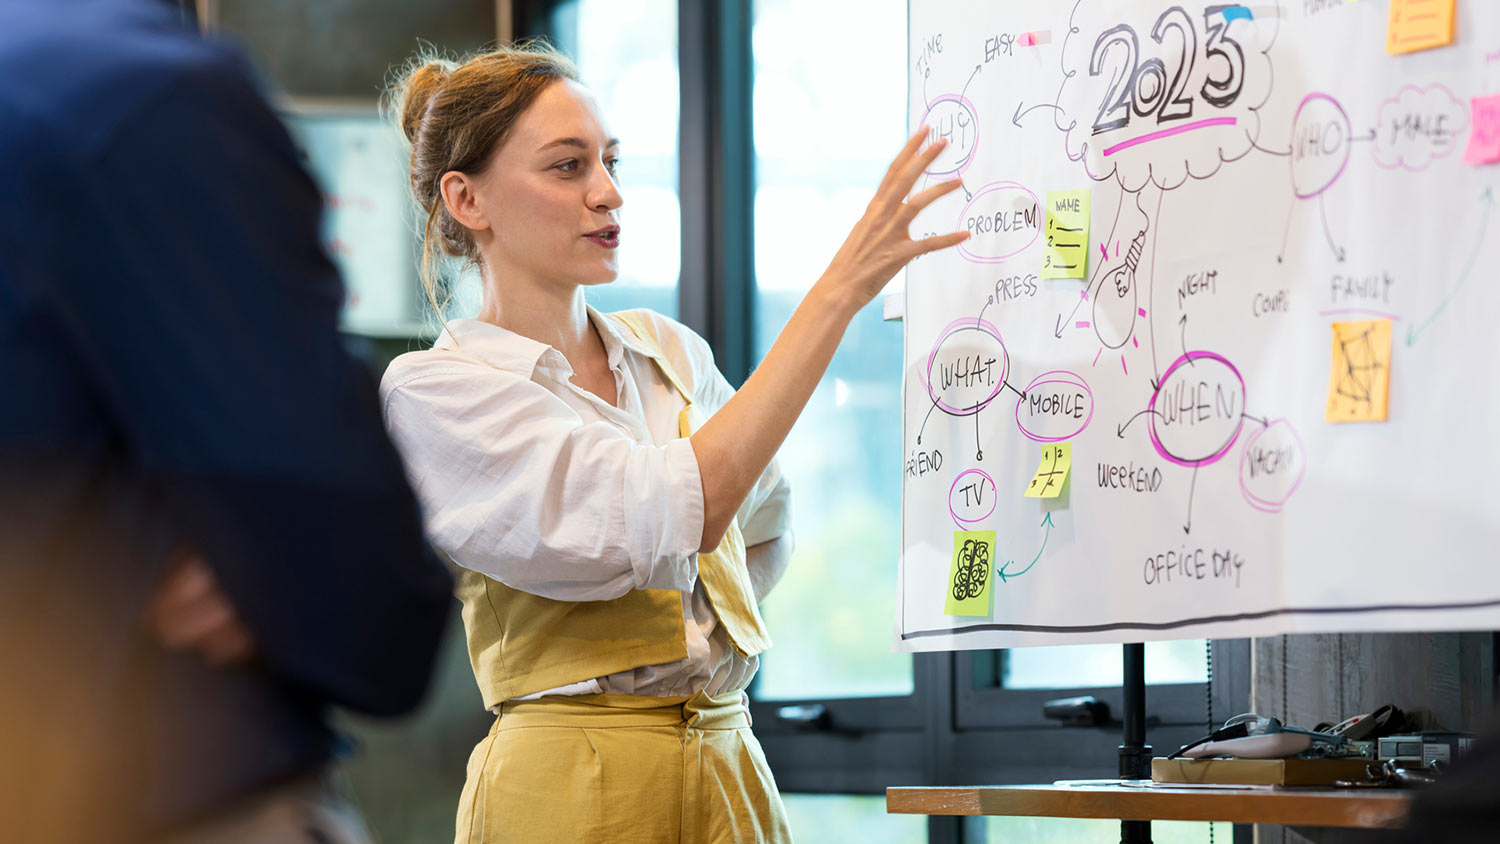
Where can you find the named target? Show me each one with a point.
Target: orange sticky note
(1419, 25)
(1359, 372)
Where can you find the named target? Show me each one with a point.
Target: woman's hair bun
(422, 83)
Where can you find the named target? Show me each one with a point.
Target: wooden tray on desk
(1231, 772)
(1365, 807)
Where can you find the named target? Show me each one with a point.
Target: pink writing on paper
(1484, 131)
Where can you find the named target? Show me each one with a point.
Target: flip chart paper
(970, 574)
(1051, 472)
(1067, 252)
(1251, 183)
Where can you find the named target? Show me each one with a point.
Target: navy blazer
(170, 372)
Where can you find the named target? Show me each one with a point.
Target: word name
(1014, 287)
(1274, 303)
(931, 47)
(1129, 478)
(1197, 564)
(1375, 287)
(998, 44)
(1271, 461)
(1055, 403)
(973, 494)
(1003, 221)
(1207, 281)
(921, 462)
(1191, 403)
(954, 127)
(1429, 126)
(1317, 140)
(967, 371)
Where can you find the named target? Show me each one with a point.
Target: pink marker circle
(1186, 360)
(968, 324)
(960, 520)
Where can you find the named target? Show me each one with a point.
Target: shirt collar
(505, 349)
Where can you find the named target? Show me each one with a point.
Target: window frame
(955, 727)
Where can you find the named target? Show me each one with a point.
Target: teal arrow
(1004, 575)
(1414, 331)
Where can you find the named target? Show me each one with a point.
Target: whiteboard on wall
(1270, 193)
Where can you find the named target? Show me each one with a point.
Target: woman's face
(550, 194)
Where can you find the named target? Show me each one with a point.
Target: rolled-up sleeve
(517, 487)
(765, 514)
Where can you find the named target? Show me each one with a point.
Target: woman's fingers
(915, 205)
(913, 144)
(917, 166)
(938, 241)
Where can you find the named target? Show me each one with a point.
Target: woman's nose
(604, 193)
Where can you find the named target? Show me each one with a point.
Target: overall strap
(722, 571)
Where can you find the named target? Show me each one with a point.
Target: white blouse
(536, 482)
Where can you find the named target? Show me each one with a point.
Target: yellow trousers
(621, 769)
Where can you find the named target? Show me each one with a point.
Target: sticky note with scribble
(969, 575)
(1359, 373)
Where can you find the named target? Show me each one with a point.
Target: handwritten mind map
(1223, 301)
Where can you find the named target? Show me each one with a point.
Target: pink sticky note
(1025, 40)
(1484, 131)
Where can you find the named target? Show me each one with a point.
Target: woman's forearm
(738, 441)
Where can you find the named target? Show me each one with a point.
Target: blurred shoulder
(107, 63)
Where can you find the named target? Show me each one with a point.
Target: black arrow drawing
(1016, 118)
(1120, 429)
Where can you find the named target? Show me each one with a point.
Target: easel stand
(1135, 754)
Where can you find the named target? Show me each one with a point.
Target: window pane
(840, 817)
(832, 614)
(1083, 666)
(358, 163)
(626, 51)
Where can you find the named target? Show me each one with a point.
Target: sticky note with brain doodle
(969, 575)
(1359, 374)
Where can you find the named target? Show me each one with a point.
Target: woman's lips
(608, 237)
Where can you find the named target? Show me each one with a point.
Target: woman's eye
(568, 166)
(613, 164)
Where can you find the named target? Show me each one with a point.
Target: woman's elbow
(713, 534)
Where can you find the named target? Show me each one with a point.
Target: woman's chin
(598, 279)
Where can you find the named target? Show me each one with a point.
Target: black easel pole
(1135, 754)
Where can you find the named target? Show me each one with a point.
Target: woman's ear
(462, 202)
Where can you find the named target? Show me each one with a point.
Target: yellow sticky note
(1067, 250)
(1052, 472)
(1419, 25)
(969, 576)
(1359, 374)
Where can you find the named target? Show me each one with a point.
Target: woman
(612, 501)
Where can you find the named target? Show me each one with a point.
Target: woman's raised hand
(737, 443)
(881, 243)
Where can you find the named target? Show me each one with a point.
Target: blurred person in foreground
(206, 539)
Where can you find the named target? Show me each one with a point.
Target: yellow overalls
(613, 768)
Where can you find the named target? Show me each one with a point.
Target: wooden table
(1105, 799)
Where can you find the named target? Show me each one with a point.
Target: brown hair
(455, 114)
